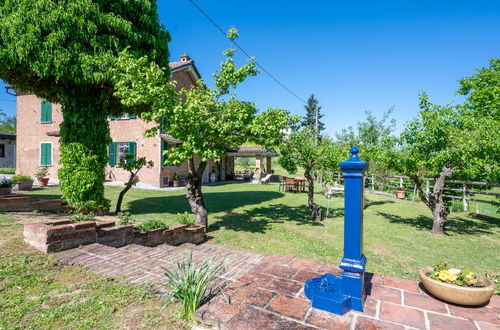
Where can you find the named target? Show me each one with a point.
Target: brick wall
(30, 133)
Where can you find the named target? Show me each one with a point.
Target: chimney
(185, 58)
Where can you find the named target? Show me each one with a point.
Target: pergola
(258, 152)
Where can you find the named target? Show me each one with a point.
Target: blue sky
(353, 55)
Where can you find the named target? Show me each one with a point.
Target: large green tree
(63, 51)
(312, 119)
(207, 121)
(459, 141)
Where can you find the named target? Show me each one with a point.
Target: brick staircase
(137, 264)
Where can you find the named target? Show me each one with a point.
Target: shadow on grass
(260, 219)
(369, 203)
(215, 202)
(455, 224)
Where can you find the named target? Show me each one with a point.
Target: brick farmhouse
(38, 140)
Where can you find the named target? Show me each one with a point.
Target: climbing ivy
(64, 51)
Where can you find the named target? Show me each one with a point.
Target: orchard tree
(207, 121)
(63, 51)
(443, 141)
(303, 149)
(312, 120)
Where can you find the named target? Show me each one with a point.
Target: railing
(462, 188)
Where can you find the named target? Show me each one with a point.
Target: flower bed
(61, 235)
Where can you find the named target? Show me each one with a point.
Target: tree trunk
(124, 191)
(85, 125)
(120, 198)
(435, 201)
(315, 209)
(324, 186)
(194, 193)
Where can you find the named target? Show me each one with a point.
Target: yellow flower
(446, 275)
(469, 279)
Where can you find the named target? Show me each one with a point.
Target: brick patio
(266, 292)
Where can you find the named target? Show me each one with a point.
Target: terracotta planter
(460, 295)
(401, 193)
(43, 182)
(5, 191)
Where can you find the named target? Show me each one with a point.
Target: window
(122, 150)
(123, 116)
(45, 112)
(2, 150)
(164, 157)
(46, 154)
(118, 151)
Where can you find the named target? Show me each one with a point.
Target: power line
(244, 52)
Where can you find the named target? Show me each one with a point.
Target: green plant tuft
(190, 285)
(20, 178)
(80, 217)
(125, 218)
(150, 225)
(186, 218)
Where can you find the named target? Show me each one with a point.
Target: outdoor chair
(266, 179)
(282, 183)
(290, 185)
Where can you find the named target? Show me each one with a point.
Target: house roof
(252, 151)
(185, 63)
(7, 137)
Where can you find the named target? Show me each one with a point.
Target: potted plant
(5, 186)
(22, 182)
(457, 285)
(400, 193)
(175, 181)
(42, 174)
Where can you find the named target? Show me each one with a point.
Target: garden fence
(464, 191)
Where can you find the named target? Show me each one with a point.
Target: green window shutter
(131, 116)
(164, 157)
(46, 154)
(164, 122)
(112, 154)
(46, 112)
(132, 149)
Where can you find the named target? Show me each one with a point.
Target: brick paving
(266, 292)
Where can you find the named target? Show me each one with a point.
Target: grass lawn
(37, 293)
(259, 218)
(7, 170)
